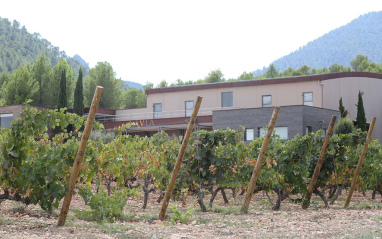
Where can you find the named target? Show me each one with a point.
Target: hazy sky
(169, 40)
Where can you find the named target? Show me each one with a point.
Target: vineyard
(35, 168)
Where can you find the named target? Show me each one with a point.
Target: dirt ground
(363, 219)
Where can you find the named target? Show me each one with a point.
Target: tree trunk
(200, 200)
(214, 193)
(279, 199)
(224, 196)
(338, 190)
(322, 196)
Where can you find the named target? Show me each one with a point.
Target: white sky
(169, 40)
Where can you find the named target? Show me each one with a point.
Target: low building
(307, 103)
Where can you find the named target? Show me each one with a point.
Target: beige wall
(243, 97)
(348, 89)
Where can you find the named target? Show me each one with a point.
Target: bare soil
(363, 219)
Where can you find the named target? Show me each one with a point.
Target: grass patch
(88, 215)
(226, 210)
(4, 222)
(367, 235)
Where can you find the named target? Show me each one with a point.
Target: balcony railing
(158, 115)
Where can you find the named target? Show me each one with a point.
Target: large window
(6, 120)
(227, 99)
(249, 134)
(157, 109)
(280, 131)
(308, 98)
(267, 101)
(189, 106)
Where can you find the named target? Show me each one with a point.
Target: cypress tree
(78, 107)
(361, 117)
(344, 112)
(62, 100)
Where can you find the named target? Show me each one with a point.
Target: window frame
(224, 101)
(262, 101)
(188, 112)
(249, 134)
(307, 103)
(6, 115)
(157, 114)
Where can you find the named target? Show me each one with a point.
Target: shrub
(344, 126)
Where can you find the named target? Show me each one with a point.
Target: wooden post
(320, 161)
(178, 162)
(79, 156)
(260, 159)
(360, 161)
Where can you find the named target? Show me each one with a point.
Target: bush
(105, 136)
(344, 126)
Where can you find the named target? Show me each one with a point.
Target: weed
(178, 216)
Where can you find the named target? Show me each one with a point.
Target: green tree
(272, 72)
(342, 109)
(361, 117)
(360, 63)
(62, 101)
(246, 76)
(133, 98)
(148, 86)
(344, 126)
(214, 76)
(103, 75)
(78, 105)
(162, 84)
(20, 87)
(57, 73)
(42, 73)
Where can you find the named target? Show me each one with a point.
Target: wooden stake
(360, 161)
(79, 156)
(259, 163)
(320, 161)
(178, 162)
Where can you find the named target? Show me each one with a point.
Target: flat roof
(271, 81)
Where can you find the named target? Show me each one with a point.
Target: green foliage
(178, 216)
(342, 109)
(78, 105)
(361, 117)
(104, 136)
(103, 75)
(105, 207)
(214, 76)
(34, 166)
(344, 126)
(133, 98)
(62, 100)
(20, 87)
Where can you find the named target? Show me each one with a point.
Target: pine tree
(78, 107)
(62, 100)
(361, 118)
(342, 109)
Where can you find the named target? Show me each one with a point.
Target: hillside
(18, 47)
(362, 36)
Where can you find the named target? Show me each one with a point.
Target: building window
(189, 106)
(308, 129)
(157, 109)
(227, 99)
(280, 131)
(308, 98)
(267, 101)
(249, 134)
(6, 120)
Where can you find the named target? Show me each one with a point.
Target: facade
(307, 103)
